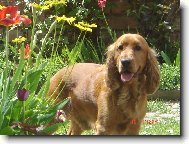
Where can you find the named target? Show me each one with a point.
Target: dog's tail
(57, 92)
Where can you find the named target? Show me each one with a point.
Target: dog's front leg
(105, 120)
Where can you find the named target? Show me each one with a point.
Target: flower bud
(22, 94)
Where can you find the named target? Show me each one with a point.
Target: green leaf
(62, 104)
(1, 82)
(59, 106)
(1, 117)
(46, 118)
(51, 129)
(177, 61)
(33, 80)
(16, 111)
(166, 58)
(29, 113)
(7, 131)
(44, 89)
(43, 65)
(17, 74)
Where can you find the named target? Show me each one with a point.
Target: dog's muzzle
(126, 63)
(126, 75)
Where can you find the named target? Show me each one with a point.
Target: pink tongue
(126, 76)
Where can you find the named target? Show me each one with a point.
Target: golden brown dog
(108, 97)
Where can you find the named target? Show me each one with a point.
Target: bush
(170, 77)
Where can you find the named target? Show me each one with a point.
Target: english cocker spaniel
(108, 97)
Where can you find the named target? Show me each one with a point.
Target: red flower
(22, 94)
(9, 16)
(102, 3)
(26, 51)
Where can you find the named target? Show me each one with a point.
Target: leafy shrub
(170, 77)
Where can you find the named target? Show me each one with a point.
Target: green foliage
(84, 10)
(166, 58)
(51, 129)
(177, 60)
(170, 72)
(170, 77)
(156, 21)
(168, 61)
(92, 53)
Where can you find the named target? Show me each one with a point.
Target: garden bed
(166, 95)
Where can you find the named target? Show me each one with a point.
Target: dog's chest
(127, 101)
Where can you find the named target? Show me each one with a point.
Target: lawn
(167, 115)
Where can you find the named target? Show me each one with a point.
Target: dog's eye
(137, 48)
(120, 47)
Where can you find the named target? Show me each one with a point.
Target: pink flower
(15, 125)
(102, 3)
(60, 116)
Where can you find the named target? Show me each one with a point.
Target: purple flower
(22, 94)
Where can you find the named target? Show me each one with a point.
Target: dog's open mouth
(126, 76)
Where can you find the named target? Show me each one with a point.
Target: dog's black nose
(125, 62)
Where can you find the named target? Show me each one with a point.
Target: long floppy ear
(110, 61)
(112, 74)
(152, 73)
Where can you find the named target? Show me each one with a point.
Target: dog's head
(130, 56)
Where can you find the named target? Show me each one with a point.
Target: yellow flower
(85, 26)
(48, 4)
(19, 40)
(40, 7)
(69, 20)
(82, 28)
(55, 2)
(1, 7)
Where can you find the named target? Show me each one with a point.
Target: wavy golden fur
(108, 97)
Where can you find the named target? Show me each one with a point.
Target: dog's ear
(112, 71)
(110, 61)
(152, 73)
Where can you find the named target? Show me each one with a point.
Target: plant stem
(23, 112)
(25, 132)
(53, 25)
(7, 51)
(4, 99)
(5, 79)
(59, 37)
(108, 27)
(32, 44)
